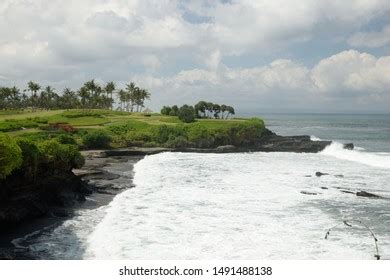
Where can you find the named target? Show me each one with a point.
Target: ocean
(245, 205)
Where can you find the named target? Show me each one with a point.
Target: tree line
(91, 95)
(202, 109)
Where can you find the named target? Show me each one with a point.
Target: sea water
(244, 205)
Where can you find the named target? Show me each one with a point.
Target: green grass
(130, 129)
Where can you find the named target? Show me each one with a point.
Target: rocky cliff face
(23, 199)
(270, 142)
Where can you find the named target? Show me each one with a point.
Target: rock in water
(319, 174)
(226, 148)
(349, 146)
(367, 194)
(308, 193)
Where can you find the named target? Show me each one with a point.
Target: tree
(48, 98)
(109, 89)
(230, 110)
(216, 110)
(33, 88)
(69, 99)
(10, 155)
(223, 110)
(174, 111)
(166, 110)
(131, 96)
(209, 109)
(122, 98)
(201, 107)
(187, 114)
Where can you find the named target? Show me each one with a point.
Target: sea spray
(372, 159)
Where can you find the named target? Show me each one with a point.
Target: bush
(178, 142)
(138, 138)
(187, 114)
(97, 139)
(66, 139)
(30, 154)
(10, 155)
(201, 136)
(162, 133)
(58, 156)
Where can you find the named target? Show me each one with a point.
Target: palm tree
(122, 98)
(132, 95)
(48, 98)
(84, 96)
(109, 89)
(33, 88)
(142, 95)
(69, 99)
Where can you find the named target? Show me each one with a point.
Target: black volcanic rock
(349, 146)
(367, 194)
(319, 174)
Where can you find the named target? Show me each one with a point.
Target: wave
(314, 138)
(372, 159)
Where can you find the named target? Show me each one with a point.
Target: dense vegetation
(30, 158)
(202, 109)
(35, 139)
(91, 95)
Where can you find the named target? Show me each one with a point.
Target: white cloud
(348, 75)
(155, 43)
(371, 39)
(354, 72)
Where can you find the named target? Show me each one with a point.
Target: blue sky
(260, 56)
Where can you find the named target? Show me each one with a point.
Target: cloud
(344, 79)
(181, 49)
(354, 72)
(374, 39)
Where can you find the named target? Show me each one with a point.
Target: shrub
(138, 138)
(30, 153)
(187, 114)
(162, 133)
(10, 155)
(201, 136)
(97, 139)
(58, 156)
(178, 142)
(66, 139)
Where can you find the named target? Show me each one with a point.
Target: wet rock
(324, 188)
(367, 194)
(345, 191)
(226, 148)
(319, 174)
(349, 146)
(308, 193)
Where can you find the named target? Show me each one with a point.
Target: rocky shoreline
(30, 206)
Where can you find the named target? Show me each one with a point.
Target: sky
(265, 56)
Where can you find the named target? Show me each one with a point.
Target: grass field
(18, 123)
(89, 129)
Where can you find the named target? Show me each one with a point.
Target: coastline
(100, 192)
(101, 195)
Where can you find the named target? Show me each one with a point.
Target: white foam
(373, 159)
(314, 138)
(231, 206)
